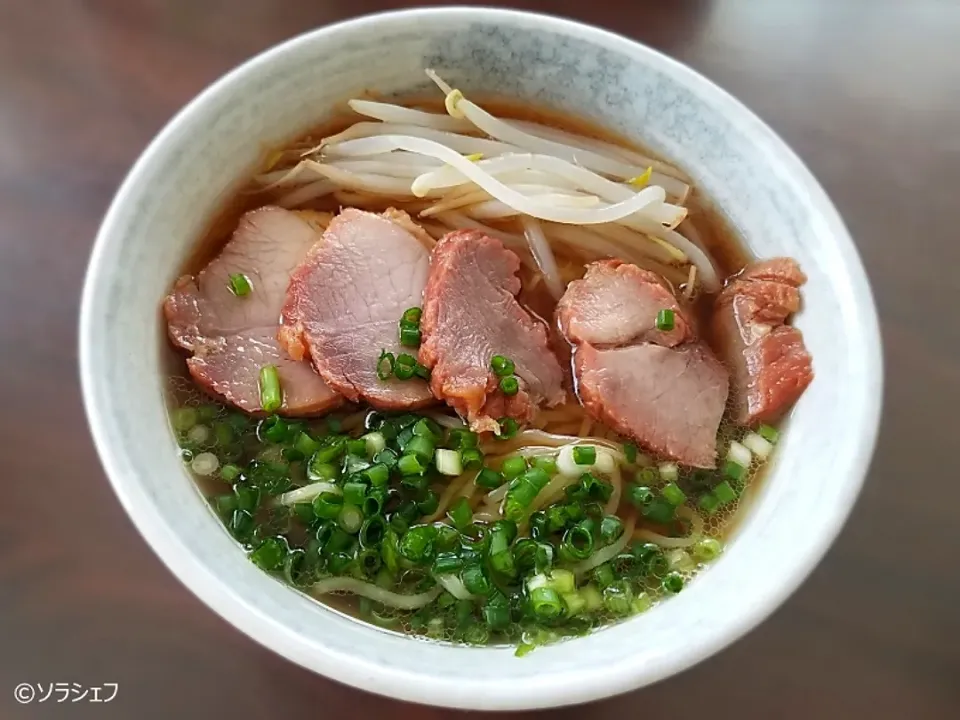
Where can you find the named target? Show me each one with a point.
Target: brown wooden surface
(869, 95)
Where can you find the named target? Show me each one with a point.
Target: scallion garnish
(405, 366)
(240, 284)
(584, 455)
(509, 385)
(508, 428)
(665, 319)
(501, 366)
(271, 394)
(385, 365)
(768, 433)
(410, 337)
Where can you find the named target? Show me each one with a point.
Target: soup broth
(245, 466)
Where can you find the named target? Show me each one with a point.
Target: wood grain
(867, 92)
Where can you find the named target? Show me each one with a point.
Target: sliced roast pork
(669, 399)
(769, 360)
(663, 388)
(346, 298)
(616, 303)
(233, 336)
(470, 314)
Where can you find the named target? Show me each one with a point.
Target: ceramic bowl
(761, 186)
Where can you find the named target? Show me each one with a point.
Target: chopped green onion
(603, 575)
(769, 433)
(319, 472)
(306, 445)
(759, 446)
(640, 495)
(708, 503)
(411, 316)
(405, 366)
(496, 611)
(239, 284)
(368, 560)
(733, 470)
(377, 475)
(387, 458)
(385, 365)
(618, 597)
(584, 455)
(533, 555)
(669, 471)
(327, 505)
(460, 514)
(331, 450)
(461, 438)
(241, 524)
(545, 603)
(448, 462)
(448, 539)
(489, 479)
(513, 466)
(419, 446)
(350, 518)
(611, 528)
(270, 553)
(593, 600)
(411, 465)
(577, 543)
(417, 544)
(429, 504)
(630, 452)
(659, 511)
(425, 427)
(185, 418)
(472, 458)
(502, 366)
(374, 442)
(739, 454)
(508, 428)
(646, 476)
(422, 371)
(389, 550)
(665, 320)
(547, 463)
(230, 472)
(673, 583)
(354, 493)
(409, 336)
(372, 532)
(673, 494)
(724, 493)
(271, 394)
(574, 603)
(509, 385)
(357, 447)
(273, 428)
(373, 503)
(475, 579)
(447, 564)
(523, 492)
(707, 549)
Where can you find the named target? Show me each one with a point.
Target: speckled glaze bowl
(767, 193)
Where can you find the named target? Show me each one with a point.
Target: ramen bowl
(755, 180)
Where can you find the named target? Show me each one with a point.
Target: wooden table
(867, 92)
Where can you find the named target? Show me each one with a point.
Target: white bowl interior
(764, 190)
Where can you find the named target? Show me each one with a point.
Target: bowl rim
(395, 681)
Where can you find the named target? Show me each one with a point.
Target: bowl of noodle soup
(569, 145)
